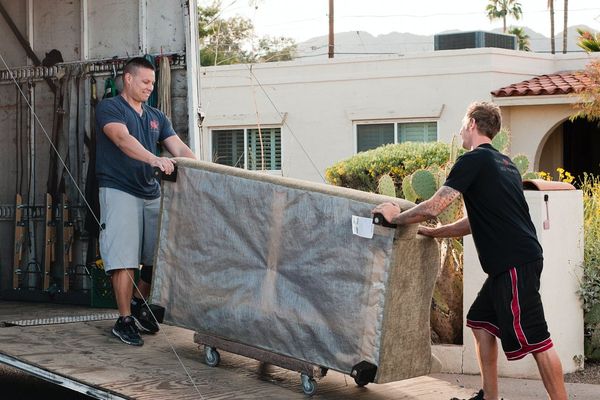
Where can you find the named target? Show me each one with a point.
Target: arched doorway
(574, 146)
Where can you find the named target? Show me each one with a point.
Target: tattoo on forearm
(444, 196)
(430, 208)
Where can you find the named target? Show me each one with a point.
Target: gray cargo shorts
(130, 229)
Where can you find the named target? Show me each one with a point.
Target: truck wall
(99, 32)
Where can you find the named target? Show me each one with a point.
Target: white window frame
(246, 128)
(395, 122)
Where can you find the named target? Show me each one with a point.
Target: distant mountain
(360, 43)
(541, 43)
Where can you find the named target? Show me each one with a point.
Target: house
(314, 113)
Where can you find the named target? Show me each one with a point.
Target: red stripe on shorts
(516, 309)
(526, 347)
(532, 348)
(490, 328)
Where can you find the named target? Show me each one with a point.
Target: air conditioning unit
(475, 39)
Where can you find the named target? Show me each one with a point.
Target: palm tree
(502, 8)
(565, 33)
(522, 37)
(551, 8)
(588, 41)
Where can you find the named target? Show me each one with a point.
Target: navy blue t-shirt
(492, 188)
(114, 169)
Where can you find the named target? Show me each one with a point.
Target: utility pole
(565, 26)
(331, 29)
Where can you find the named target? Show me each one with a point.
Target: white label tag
(362, 227)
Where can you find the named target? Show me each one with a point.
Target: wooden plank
(87, 352)
(258, 354)
(49, 241)
(19, 241)
(67, 243)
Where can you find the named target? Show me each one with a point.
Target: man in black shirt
(509, 305)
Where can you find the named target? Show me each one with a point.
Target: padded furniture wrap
(271, 262)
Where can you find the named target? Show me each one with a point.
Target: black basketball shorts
(509, 307)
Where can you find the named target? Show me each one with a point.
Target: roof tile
(559, 83)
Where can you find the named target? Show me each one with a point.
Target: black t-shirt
(498, 213)
(114, 169)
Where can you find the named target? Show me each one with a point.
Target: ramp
(85, 357)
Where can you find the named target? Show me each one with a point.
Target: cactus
(407, 189)
(441, 177)
(530, 175)
(521, 162)
(386, 185)
(423, 183)
(457, 246)
(454, 149)
(501, 141)
(452, 213)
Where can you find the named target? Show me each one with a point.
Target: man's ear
(472, 123)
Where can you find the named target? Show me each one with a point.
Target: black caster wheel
(309, 385)
(360, 382)
(211, 356)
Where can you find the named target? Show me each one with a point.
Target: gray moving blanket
(273, 263)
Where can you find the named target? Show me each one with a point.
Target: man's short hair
(136, 63)
(487, 116)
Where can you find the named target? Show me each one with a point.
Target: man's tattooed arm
(429, 208)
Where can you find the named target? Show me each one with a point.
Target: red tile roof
(559, 83)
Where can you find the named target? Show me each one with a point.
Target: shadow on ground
(16, 385)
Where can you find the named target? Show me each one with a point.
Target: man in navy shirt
(508, 306)
(128, 133)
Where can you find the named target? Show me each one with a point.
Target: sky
(304, 19)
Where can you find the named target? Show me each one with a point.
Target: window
(417, 132)
(370, 136)
(248, 148)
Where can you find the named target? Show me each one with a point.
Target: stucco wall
(320, 101)
(532, 126)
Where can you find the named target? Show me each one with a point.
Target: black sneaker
(476, 396)
(142, 316)
(126, 330)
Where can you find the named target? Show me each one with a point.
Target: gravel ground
(591, 374)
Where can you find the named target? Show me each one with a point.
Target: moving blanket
(273, 263)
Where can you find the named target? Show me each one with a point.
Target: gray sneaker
(126, 330)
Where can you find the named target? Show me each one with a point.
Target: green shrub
(363, 170)
(590, 290)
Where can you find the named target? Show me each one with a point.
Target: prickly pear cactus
(407, 189)
(386, 185)
(452, 213)
(423, 183)
(454, 149)
(530, 175)
(521, 162)
(501, 141)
